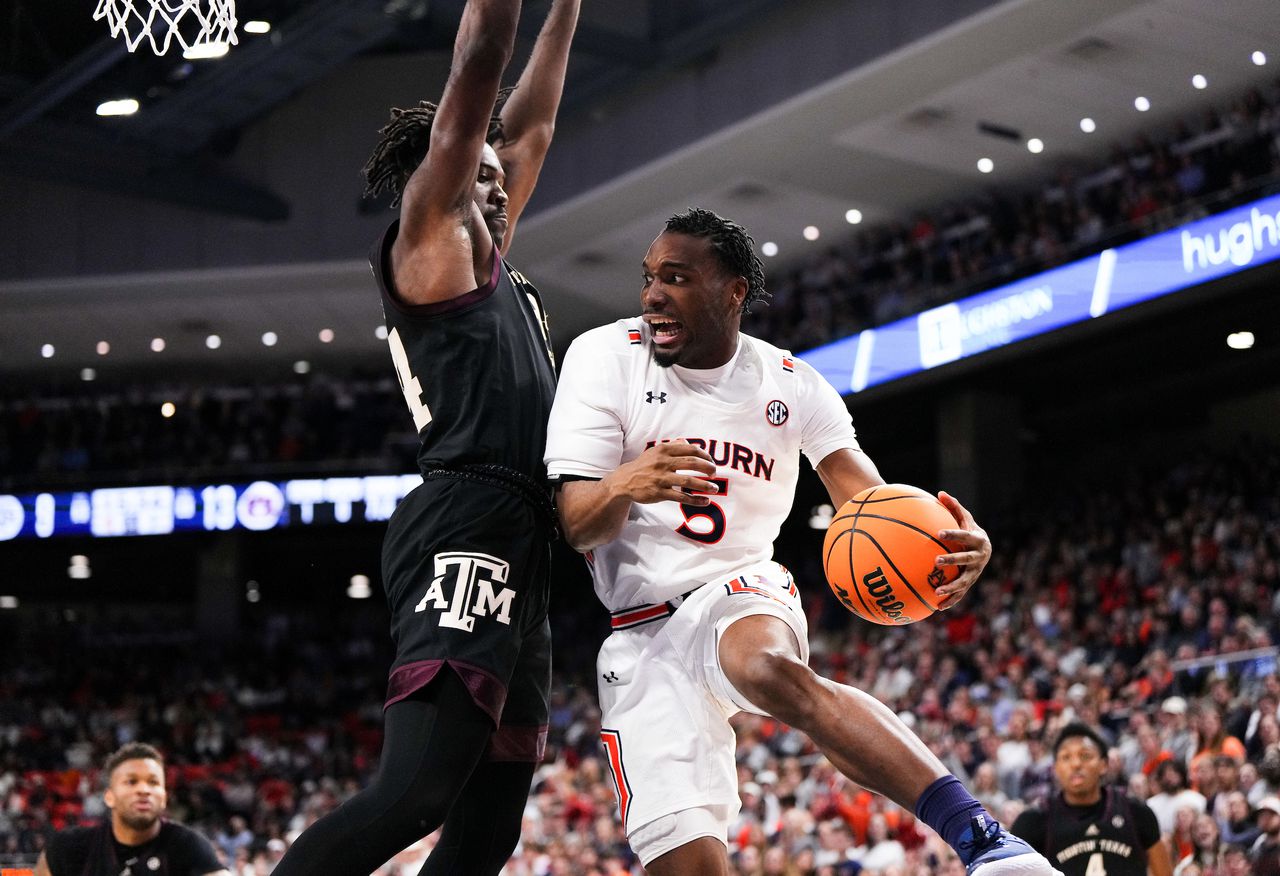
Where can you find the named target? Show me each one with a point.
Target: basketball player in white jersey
(675, 443)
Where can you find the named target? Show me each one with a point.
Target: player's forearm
(531, 111)
(593, 513)
(486, 34)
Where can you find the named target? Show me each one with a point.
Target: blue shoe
(996, 852)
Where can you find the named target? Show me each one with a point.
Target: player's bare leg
(704, 857)
(859, 735)
(867, 742)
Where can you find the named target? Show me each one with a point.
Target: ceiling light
(8, 602)
(326, 336)
(820, 516)
(124, 107)
(1260, 58)
(269, 339)
(1240, 340)
(1088, 125)
(252, 592)
(213, 342)
(1141, 104)
(204, 51)
(1199, 82)
(380, 333)
(157, 345)
(168, 409)
(47, 351)
(986, 165)
(302, 366)
(1035, 145)
(257, 27)
(359, 587)
(853, 217)
(811, 232)
(88, 374)
(103, 348)
(769, 248)
(79, 568)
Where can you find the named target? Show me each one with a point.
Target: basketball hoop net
(204, 28)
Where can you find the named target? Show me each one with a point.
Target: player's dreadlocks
(731, 243)
(404, 144)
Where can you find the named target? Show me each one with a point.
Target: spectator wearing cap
(1171, 778)
(1178, 738)
(1265, 853)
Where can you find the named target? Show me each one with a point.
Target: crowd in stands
(92, 433)
(1103, 611)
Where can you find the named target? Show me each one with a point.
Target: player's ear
(109, 798)
(738, 289)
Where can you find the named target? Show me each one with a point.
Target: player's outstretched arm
(529, 116)
(592, 513)
(442, 236)
(42, 866)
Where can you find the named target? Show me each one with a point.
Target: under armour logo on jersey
(474, 576)
(611, 677)
(650, 397)
(776, 413)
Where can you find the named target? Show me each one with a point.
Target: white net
(199, 26)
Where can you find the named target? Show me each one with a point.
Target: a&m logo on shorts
(776, 413)
(474, 593)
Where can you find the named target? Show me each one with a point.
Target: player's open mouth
(665, 331)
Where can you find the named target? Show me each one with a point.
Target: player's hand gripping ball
(881, 550)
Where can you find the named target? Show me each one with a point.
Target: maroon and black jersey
(477, 371)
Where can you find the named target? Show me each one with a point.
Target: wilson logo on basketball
(776, 413)
(877, 586)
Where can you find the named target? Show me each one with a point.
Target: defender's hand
(972, 558)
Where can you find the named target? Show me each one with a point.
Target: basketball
(880, 554)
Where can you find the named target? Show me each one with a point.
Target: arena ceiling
(898, 134)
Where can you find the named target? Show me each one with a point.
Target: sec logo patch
(776, 413)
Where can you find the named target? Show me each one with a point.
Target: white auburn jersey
(753, 416)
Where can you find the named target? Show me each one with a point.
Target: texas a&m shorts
(465, 566)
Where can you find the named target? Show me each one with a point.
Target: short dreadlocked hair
(404, 144)
(732, 245)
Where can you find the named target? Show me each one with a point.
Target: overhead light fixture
(257, 27)
(380, 333)
(205, 51)
(103, 348)
(359, 587)
(79, 569)
(853, 217)
(1240, 340)
(326, 336)
(1035, 145)
(302, 366)
(1088, 125)
(1141, 104)
(124, 107)
(769, 248)
(88, 374)
(157, 345)
(986, 165)
(168, 409)
(252, 591)
(213, 342)
(47, 351)
(811, 232)
(1260, 59)
(1199, 82)
(9, 602)
(269, 339)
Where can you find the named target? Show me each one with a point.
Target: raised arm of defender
(529, 116)
(444, 248)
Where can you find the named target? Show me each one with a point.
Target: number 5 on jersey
(409, 385)
(713, 529)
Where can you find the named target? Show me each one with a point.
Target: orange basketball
(881, 550)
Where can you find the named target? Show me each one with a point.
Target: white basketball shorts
(665, 703)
